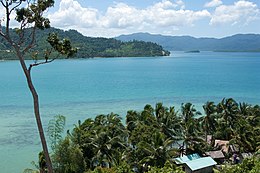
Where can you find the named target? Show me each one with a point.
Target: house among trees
(218, 156)
(222, 145)
(196, 164)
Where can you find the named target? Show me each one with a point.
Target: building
(222, 144)
(218, 156)
(196, 164)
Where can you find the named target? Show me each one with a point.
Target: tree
(191, 132)
(68, 157)
(249, 165)
(158, 151)
(103, 141)
(55, 130)
(168, 121)
(209, 122)
(29, 15)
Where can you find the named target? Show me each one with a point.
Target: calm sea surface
(80, 89)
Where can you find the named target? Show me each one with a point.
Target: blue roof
(200, 163)
(187, 158)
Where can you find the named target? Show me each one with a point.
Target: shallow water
(84, 88)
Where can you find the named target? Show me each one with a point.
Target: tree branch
(30, 45)
(2, 34)
(18, 4)
(3, 4)
(7, 27)
(40, 63)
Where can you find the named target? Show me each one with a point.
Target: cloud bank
(241, 12)
(166, 16)
(122, 17)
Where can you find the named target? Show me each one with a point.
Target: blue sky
(199, 18)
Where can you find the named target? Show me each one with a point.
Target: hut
(218, 156)
(196, 164)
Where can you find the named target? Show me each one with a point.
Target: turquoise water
(84, 88)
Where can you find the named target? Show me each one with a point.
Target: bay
(83, 88)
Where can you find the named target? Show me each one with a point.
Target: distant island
(193, 51)
(89, 47)
(235, 43)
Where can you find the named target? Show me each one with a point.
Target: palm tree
(228, 109)
(191, 134)
(209, 122)
(188, 112)
(168, 121)
(229, 114)
(244, 136)
(104, 139)
(147, 116)
(132, 120)
(157, 152)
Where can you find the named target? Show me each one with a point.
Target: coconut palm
(228, 109)
(106, 138)
(132, 120)
(188, 112)
(209, 122)
(168, 121)
(191, 134)
(244, 136)
(157, 152)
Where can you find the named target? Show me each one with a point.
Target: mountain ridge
(237, 42)
(88, 47)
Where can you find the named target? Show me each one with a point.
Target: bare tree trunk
(21, 48)
(39, 124)
(36, 110)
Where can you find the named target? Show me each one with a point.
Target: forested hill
(239, 42)
(91, 47)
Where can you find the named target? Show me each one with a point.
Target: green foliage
(68, 158)
(86, 47)
(103, 170)
(249, 165)
(168, 168)
(33, 13)
(103, 141)
(28, 170)
(150, 139)
(55, 129)
(40, 167)
(124, 168)
(63, 47)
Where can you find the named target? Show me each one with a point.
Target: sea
(83, 88)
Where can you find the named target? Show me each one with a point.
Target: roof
(216, 154)
(223, 144)
(246, 155)
(186, 158)
(200, 163)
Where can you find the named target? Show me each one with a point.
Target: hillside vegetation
(89, 46)
(148, 140)
(239, 42)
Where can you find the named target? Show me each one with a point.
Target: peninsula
(89, 47)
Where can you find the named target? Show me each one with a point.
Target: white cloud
(13, 22)
(122, 18)
(241, 12)
(71, 13)
(213, 3)
(181, 4)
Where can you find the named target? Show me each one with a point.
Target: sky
(198, 18)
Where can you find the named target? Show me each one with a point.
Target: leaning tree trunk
(36, 107)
